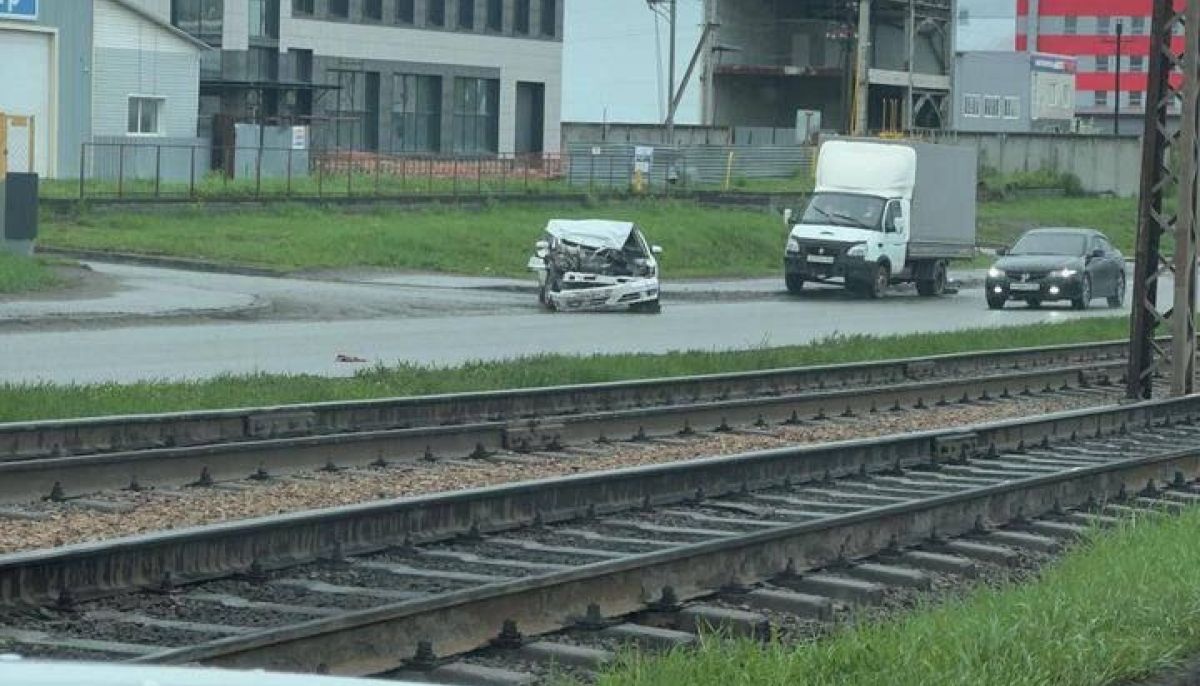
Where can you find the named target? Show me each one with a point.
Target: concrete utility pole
(910, 37)
(1117, 94)
(862, 69)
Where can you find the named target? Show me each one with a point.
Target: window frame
(367, 16)
(140, 98)
(329, 13)
(988, 100)
(552, 5)
(1100, 98)
(494, 21)
(972, 112)
(430, 6)
(406, 12)
(1014, 112)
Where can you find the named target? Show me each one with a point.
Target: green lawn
(44, 401)
(496, 241)
(22, 274)
(1123, 606)
(1002, 222)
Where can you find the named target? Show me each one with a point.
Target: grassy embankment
(23, 275)
(698, 242)
(39, 401)
(1123, 606)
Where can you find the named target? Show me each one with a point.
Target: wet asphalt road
(297, 326)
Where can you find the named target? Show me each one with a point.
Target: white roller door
(26, 60)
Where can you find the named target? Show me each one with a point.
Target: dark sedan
(1078, 265)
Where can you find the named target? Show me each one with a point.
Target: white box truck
(884, 212)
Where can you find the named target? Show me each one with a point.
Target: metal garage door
(25, 62)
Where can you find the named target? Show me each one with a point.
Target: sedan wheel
(1117, 299)
(1085, 294)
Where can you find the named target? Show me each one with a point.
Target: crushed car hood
(592, 233)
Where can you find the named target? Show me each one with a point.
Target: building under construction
(865, 65)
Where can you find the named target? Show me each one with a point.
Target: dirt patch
(77, 282)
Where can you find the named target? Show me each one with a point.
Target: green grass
(496, 241)
(1123, 606)
(1003, 221)
(44, 401)
(23, 274)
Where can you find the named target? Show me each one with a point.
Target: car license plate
(821, 259)
(1024, 287)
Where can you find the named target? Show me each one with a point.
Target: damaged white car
(596, 264)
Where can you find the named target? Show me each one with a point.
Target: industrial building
(81, 71)
(467, 77)
(863, 65)
(1109, 39)
(1014, 92)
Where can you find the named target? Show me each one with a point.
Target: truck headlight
(793, 245)
(859, 250)
(1066, 273)
(994, 273)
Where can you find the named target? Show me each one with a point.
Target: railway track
(372, 588)
(61, 460)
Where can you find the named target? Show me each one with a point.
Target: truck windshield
(844, 209)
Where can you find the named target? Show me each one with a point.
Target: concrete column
(862, 68)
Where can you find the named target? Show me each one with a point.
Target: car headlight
(793, 245)
(1066, 273)
(859, 250)
(994, 273)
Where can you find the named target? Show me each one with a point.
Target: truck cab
(858, 228)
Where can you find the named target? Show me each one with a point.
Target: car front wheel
(1085, 294)
(1117, 299)
(995, 303)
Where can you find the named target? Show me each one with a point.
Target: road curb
(158, 261)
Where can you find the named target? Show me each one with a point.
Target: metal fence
(136, 170)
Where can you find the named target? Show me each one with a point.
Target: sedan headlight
(793, 245)
(994, 273)
(1066, 273)
(859, 250)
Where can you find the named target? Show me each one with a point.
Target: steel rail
(62, 478)
(97, 435)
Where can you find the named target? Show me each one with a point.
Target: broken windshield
(844, 209)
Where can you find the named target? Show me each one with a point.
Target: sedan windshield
(844, 209)
(1050, 244)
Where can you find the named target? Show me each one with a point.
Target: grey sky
(987, 25)
(609, 61)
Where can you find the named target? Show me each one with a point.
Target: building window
(262, 64)
(302, 7)
(202, 18)
(1137, 26)
(971, 105)
(144, 119)
(1135, 98)
(521, 17)
(1012, 108)
(264, 18)
(435, 12)
(1101, 98)
(466, 14)
(476, 115)
(991, 106)
(416, 113)
(302, 64)
(549, 17)
(495, 15)
(1071, 25)
(1102, 63)
(339, 9)
(355, 111)
(1103, 25)
(406, 12)
(373, 10)
(1137, 63)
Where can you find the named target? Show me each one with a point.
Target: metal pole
(287, 189)
(1117, 94)
(121, 170)
(1144, 351)
(82, 164)
(910, 30)
(192, 172)
(671, 74)
(157, 169)
(862, 68)
(1183, 317)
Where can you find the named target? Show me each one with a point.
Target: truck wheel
(936, 286)
(877, 287)
(795, 283)
(995, 303)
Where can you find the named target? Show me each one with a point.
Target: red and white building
(1087, 30)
